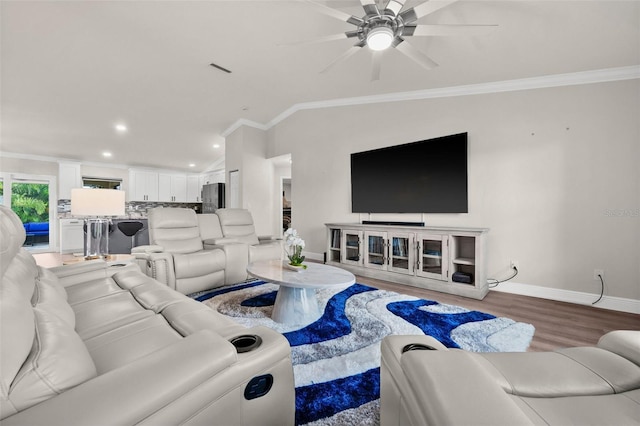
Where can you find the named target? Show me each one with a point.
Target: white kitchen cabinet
(143, 185)
(71, 236)
(194, 189)
(69, 177)
(172, 188)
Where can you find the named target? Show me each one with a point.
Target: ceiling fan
(388, 27)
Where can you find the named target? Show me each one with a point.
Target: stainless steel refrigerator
(212, 197)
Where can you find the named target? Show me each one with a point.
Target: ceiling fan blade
(335, 13)
(346, 55)
(370, 7)
(450, 30)
(415, 54)
(375, 65)
(424, 9)
(341, 36)
(394, 6)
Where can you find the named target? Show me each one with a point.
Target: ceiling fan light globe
(380, 38)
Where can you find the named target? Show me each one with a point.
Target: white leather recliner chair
(178, 258)
(237, 224)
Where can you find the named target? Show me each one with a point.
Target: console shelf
(425, 257)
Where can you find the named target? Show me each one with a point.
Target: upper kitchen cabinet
(172, 188)
(143, 186)
(194, 189)
(69, 177)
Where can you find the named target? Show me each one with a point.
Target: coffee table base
(296, 306)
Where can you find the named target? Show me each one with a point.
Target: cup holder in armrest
(417, 347)
(246, 342)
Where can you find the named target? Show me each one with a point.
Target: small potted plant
(294, 245)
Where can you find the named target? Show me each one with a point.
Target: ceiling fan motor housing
(385, 26)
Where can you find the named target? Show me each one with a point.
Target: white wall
(246, 151)
(553, 172)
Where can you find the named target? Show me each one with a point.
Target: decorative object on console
(96, 205)
(337, 358)
(294, 245)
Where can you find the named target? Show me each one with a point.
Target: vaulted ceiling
(71, 70)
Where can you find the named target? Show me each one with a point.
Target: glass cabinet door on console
(375, 249)
(402, 253)
(351, 247)
(433, 256)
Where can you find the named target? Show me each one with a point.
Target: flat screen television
(428, 176)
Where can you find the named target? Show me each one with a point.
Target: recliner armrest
(78, 268)
(80, 272)
(210, 242)
(151, 248)
(132, 393)
(452, 387)
(160, 267)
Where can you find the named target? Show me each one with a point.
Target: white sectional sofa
(91, 344)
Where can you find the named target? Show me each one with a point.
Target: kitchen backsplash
(132, 209)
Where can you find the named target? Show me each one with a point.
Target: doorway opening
(286, 204)
(283, 201)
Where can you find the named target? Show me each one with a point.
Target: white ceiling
(72, 69)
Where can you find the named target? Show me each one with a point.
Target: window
(102, 183)
(32, 198)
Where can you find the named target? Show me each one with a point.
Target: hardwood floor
(558, 324)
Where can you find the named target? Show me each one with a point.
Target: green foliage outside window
(30, 201)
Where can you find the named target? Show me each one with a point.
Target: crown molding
(244, 122)
(555, 80)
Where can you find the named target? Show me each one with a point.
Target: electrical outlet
(515, 264)
(597, 273)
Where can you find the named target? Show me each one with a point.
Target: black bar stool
(130, 229)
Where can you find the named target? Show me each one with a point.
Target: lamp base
(96, 238)
(96, 256)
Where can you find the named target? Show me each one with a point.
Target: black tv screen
(428, 176)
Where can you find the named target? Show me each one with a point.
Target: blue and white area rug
(336, 360)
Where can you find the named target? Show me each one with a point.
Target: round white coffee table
(296, 302)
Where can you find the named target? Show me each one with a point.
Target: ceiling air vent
(220, 68)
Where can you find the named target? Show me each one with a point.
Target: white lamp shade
(97, 202)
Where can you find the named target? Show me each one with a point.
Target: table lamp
(96, 205)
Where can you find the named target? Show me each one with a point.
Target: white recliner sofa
(423, 383)
(91, 344)
(192, 252)
(178, 257)
(237, 224)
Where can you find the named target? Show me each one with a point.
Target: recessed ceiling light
(216, 145)
(121, 128)
(191, 165)
(106, 154)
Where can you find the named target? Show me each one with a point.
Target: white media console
(446, 259)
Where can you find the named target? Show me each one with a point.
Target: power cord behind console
(493, 283)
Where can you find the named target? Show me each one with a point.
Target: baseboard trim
(581, 298)
(570, 296)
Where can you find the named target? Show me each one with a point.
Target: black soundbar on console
(390, 223)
